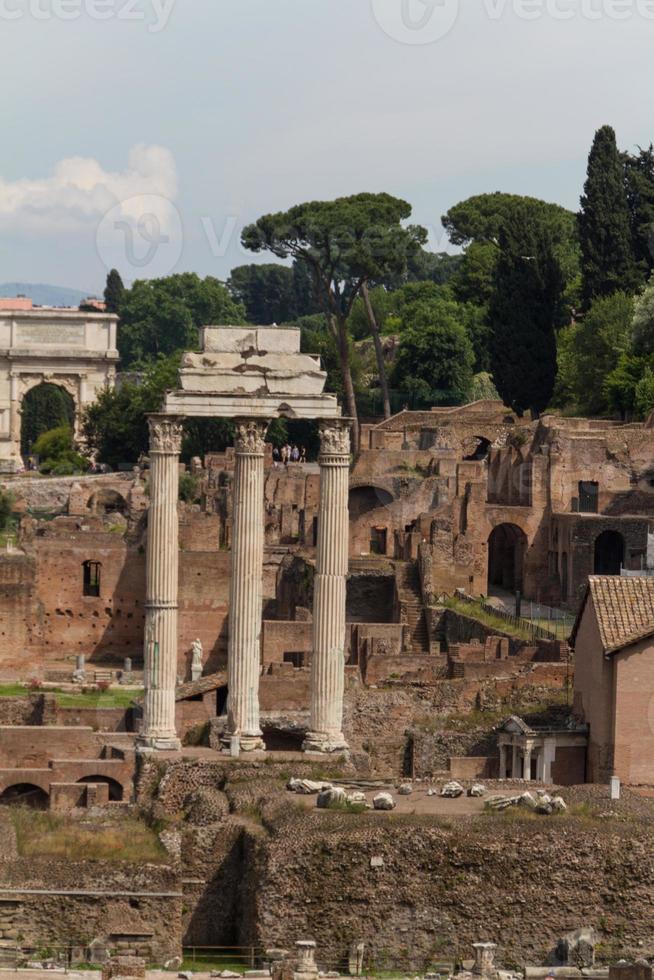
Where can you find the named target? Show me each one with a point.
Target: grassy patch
(112, 698)
(473, 611)
(49, 835)
(205, 960)
(13, 691)
(344, 806)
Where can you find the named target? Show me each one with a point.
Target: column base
(158, 743)
(324, 743)
(246, 743)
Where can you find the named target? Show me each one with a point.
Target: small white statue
(196, 660)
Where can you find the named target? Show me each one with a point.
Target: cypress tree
(607, 255)
(523, 313)
(639, 176)
(114, 291)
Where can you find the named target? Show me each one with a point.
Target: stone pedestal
(160, 654)
(484, 959)
(328, 658)
(244, 653)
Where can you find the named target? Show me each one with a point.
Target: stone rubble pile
(542, 803)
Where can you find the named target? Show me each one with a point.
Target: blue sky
(172, 123)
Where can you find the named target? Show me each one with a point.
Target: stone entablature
(69, 348)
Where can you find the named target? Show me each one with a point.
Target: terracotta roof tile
(624, 608)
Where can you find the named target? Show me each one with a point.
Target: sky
(144, 134)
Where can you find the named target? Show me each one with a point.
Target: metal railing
(557, 629)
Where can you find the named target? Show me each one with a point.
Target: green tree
(347, 243)
(590, 349)
(162, 316)
(114, 291)
(476, 223)
(643, 321)
(644, 395)
(45, 407)
(6, 510)
(607, 255)
(58, 454)
(116, 425)
(435, 360)
(266, 291)
(639, 177)
(621, 385)
(523, 314)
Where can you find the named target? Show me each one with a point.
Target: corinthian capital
(335, 437)
(165, 434)
(250, 436)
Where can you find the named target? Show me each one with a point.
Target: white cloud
(80, 192)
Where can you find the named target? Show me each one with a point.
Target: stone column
(526, 765)
(502, 760)
(160, 654)
(245, 587)
(328, 659)
(515, 774)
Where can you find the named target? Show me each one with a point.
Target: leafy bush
(58, 454)
(6, 510)
(189, 487)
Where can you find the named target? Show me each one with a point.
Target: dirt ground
(634, 803)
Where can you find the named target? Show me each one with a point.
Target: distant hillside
(44, 295)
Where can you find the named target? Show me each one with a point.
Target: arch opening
(44, 407)
(115, 788)
(481, 451)
(25, 794)
(507, 546)
(363, 500)
(609, 553)
(107, 502)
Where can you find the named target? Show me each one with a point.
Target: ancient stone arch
(68, 348)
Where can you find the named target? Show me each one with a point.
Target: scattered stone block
(477, 790)
(452, 790)
(383, 801)
(405, 789)
(306, 787)
(328, 797)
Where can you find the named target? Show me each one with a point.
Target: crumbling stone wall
(438, 886)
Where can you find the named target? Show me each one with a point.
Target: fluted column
(245, 587)
(328, 658)
(160, 654)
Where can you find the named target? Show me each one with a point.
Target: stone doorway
(609, 553)
(507, 546)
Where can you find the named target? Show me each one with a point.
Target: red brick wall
(594, 692)
(280, 637)
(569, 766)
(634, 713)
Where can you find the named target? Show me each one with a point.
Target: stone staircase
(410, 597)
